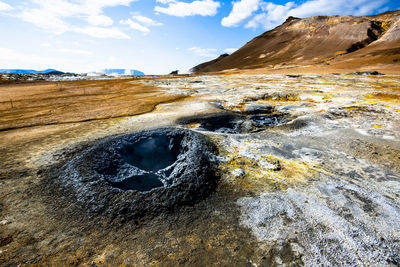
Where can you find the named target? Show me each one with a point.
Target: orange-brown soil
(24, 105)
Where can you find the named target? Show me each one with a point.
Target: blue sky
(154, 36)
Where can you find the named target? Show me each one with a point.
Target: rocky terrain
(229, 169)
(310, 45)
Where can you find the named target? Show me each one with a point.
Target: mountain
(22, 71)
(336, 42)
(117, 72)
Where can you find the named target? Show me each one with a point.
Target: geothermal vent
(143, 173)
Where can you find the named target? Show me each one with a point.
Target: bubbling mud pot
(235, 123)
(142, 173)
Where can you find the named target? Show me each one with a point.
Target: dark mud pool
(144, 163)
(141, 173)
(234, 123)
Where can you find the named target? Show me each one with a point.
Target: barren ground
(319, 187)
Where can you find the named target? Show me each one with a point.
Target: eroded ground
(308, 167)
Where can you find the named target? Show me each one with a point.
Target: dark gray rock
(367, 73)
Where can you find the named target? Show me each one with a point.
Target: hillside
(23, 71)
(337, 42)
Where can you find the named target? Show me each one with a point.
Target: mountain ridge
(342, 42)
(29, 71)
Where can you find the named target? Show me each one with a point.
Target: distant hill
(340, 42)
(117, 72)
(22, 71)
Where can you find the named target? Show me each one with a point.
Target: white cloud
(100, 32)
(140, 23)
(241, 10)
(384, 9)
(100, 20)
(97, 6)
(74, 51)
(14, 59)
(230, 50)
(338, 7)
(5, 6)
(204, 52)
(369, 7)
(45, 20)
(147, 21)
(135, 26)
(183, 9)
(52, 15)
(165, 1)
(272, 15)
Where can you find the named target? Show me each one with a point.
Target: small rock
(238, 172)
(367, 73)
(258, 109)
(248, 125)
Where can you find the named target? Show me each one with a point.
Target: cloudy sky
(154, 36)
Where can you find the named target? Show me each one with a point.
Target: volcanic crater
(141, 174)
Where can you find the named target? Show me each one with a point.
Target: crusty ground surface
(323, 188)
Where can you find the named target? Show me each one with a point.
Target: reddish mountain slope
(340, 41)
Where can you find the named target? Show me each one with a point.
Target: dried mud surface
(306, 171)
